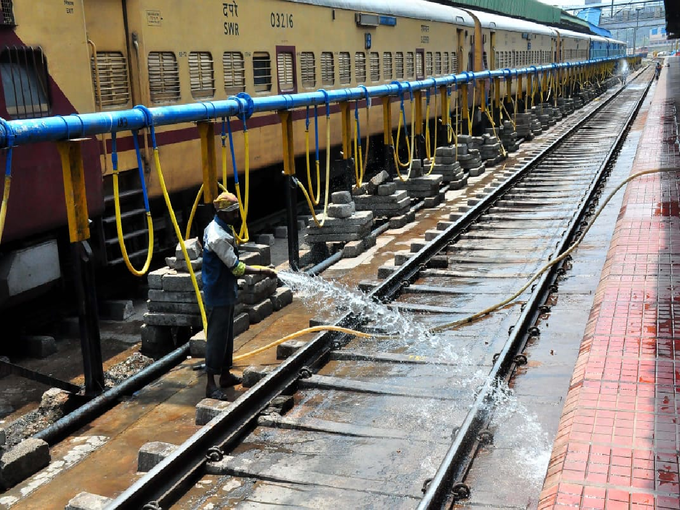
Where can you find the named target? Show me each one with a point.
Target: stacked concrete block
(523, 125)
(509, 137)
(536, 125)
(423, 186)
(470, 157)
(173, 303)
(566, 105)
(445, 164)
(490, 151)
(172, 299)
(556, 113)
(255, 290)
(544, 115)
(547, 114)
(380, 195)
(343, 222)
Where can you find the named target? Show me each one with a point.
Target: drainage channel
(373, 417)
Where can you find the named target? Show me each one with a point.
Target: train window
(375, 66)
(345, 65)
(110, 79)
(201, 74)
(399, 65)
(24, 80)
(163, 77)
(387, 65)
(360, 66)
(234, 72)
(6, 14)
(262, 71)
(308, 69)
(499, 60)
(428, 64)
(285, 71)
(454, 62)
(410, 67)
(445, 63)
(327, 68)
(420, 66)
(438, 63)
(485, 60)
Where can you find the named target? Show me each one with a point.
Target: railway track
(395, 423)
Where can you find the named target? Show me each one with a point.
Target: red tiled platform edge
(618, 440)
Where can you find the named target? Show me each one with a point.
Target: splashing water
(518, 423)
(326, 297)
(529, 443)
(623, 70)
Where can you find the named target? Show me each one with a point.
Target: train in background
(79, 56)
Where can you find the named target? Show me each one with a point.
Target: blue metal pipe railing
(52, 129)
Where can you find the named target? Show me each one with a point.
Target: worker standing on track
(221, 268)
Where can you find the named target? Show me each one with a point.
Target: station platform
(618, 440)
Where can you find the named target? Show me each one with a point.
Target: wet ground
(164, 411)
(120, 339)
(510, 473)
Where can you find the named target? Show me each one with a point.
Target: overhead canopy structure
(531, 10)
(527, 9)
(672, 19)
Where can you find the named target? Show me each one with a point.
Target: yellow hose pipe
(178, 233)
(121, 238)
(5, 200)
(310, 202)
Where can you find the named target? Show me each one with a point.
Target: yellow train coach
(78, 56)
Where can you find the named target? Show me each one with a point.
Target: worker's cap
(226, 202)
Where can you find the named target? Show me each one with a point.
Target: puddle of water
(669, 208)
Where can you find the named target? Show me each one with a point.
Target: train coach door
(285, 69)
(110, 87)
(107, 38)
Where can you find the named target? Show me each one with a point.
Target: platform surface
(619, 436)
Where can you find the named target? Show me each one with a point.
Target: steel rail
(178, 471)
(70, 127)
(454, 465)
(408, 271)
(185, 464)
